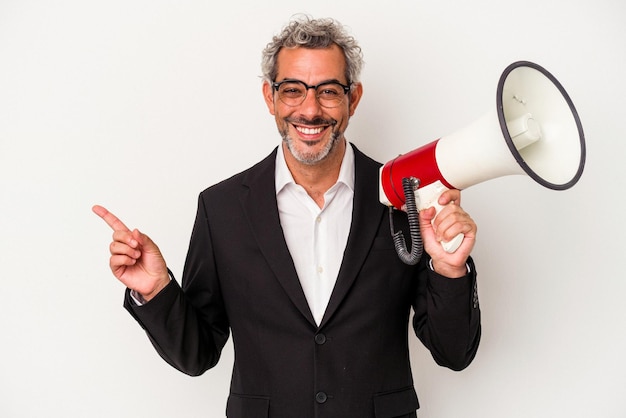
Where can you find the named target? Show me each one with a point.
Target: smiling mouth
(309, 131)
(311, 127)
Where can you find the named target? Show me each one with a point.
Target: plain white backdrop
(138, 105)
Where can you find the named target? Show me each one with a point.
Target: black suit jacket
(239, 277)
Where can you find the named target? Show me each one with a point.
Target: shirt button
(320, 339)
(320, 269)
(321, 397)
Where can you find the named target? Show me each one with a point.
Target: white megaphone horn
(543, 139)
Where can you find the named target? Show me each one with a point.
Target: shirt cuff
(137, 298)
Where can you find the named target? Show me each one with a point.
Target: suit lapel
(258, 198)
(366, 217)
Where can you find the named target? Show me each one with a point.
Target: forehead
(311, 65)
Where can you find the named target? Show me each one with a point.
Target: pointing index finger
(110, 219)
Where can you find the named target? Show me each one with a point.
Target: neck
(317, 178)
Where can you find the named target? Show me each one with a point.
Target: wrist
(449, 271)
(159, 286)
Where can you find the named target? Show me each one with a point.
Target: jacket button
(320, 339)
(321, 397)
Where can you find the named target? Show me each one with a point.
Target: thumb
(152, 259)
(426, 217)
(146, 244)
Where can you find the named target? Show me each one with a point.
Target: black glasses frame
(346, 88)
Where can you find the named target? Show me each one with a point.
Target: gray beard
(311, 158)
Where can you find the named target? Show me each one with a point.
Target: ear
(268, 95)
(355, 97)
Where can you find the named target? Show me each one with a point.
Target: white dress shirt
(316, 237)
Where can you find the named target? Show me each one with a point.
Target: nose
(311, 106)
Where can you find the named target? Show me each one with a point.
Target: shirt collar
(283, 176)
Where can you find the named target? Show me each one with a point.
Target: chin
(312, 158)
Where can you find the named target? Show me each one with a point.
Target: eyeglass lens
(293, 93)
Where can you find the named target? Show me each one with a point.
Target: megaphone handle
(454, 244)
(428, 196)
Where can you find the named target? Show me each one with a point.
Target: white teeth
(309, 131)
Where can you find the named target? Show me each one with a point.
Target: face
(310, 131)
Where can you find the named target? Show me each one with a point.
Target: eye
(330, 91)
(291, 90)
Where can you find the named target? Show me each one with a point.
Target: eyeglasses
(328, 94)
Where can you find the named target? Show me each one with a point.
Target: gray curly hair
(306, 32)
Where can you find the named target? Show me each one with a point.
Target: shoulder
(366, 169)
(362, 160)
(263, 171)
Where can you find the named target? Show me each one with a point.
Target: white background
(139, 105)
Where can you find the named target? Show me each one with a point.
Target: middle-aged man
(294, 256)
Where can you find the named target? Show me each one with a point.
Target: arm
(188, 338)
(447, 315)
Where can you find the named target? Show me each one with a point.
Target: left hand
(451, 221)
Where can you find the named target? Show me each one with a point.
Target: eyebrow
(333, 80)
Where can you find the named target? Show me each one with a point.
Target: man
(294, 256)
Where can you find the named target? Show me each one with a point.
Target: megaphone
(543, 139)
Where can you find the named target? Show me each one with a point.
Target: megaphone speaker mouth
(540, 125)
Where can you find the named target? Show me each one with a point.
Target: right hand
(451, 221)
(135, 260)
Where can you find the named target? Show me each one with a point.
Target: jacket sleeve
(447, 316)
(188, 325)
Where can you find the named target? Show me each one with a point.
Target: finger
(425, 219)
(143, 242)
(126, 237)
(110, 219)
(448, 215)
(117, 262)
(428, 214)
(450, 196)
(454, 223)
(118, 248)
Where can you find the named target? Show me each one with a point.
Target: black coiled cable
(417, 247)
